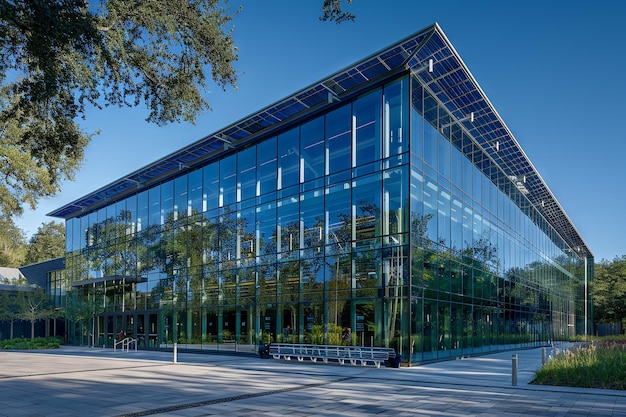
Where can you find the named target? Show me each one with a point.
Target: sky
(554, 70)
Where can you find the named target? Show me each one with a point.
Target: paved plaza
(75, 381)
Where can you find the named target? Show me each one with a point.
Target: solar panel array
(450, 81)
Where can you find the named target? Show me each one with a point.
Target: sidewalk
(101, 382)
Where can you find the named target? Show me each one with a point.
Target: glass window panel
(246, 181)
(477, 186)
(396, 117)
(288, 227)
(443, 215)
(468, 177)
(247, 236)
(418, 226)
(338, 213)
(210, 189)
(431, 191)
(312, 217)
(266, 219)
(431, 140)
(103, 225)
(288, 159)
(456, 167)
(181, 197)
(69, 234)
(367, 114)
(155, 206)
(90, 226)
(367, 271)
(431, 115)
(167, 202)
(477, 226)
(339, 140)
(366, 198)
(312, 148)
(112, 218)
(444, 157)
(131, 216)
(394, 198)
(313, 278)
(456, 222)
(195, 191)
(228, 180)
(266, 168)
(417, 120)
(485, 183)
(142, 211)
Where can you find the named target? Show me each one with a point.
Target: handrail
(126, 342)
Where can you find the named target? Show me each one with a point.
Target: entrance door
(138, 325)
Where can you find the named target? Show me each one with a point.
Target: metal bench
(353, 355)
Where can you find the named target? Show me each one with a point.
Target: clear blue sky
(554, 70)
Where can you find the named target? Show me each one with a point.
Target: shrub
(37, 343)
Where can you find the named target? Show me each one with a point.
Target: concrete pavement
(75, 381)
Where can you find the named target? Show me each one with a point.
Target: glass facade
(375, 221)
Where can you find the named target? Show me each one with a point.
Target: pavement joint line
(229, 399)
(79, 371)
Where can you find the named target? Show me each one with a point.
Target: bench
(353, 355)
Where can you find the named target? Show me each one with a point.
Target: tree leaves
(58, 57)
(332, 12)
(608, 291)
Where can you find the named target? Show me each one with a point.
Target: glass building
(386, 205)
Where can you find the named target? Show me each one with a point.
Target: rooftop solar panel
(451, 82)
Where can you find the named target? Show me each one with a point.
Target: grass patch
(37, 343)
(596, 365)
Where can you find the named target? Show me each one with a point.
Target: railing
(126, 343)
(354, 355)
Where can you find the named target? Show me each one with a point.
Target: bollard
(514, 370)
(543, 356)
(175, 353)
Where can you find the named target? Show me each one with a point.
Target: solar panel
(451, 82)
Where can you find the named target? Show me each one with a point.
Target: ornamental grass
(596, 365)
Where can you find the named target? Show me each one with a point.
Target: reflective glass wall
(487, 271)
(376, 223)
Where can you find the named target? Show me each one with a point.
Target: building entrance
(142, 325)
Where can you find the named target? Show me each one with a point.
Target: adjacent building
(386, 205)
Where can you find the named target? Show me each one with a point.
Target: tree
(58, 57)
(12, 242)
(9, 308)
(608, 291)
(332, 12)
(35, 307)
(47, 243)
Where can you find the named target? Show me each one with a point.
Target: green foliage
(47, 243)
(332, 12)
(589, 366)
(10, 308)
(608, 291)
(57, 58)
(37, 343)
(34, 306)
(12, 241)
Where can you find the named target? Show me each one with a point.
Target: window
(288, 159)
(367, 115)
(312, 149)
(338, 140)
